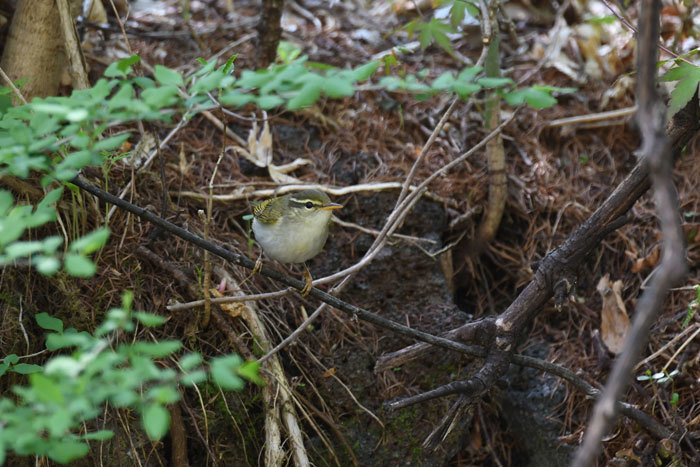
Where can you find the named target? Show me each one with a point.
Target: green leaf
(26, 368)
(308, 94)
(363, 72)
(91, 242)
(11, 359)
(144, 82)
(228, 67)
(681, 71)
(77, 115)
(250, 370)
(41, 106)
(79, 266)
(113, 142)
(51, 244)
(336, 87)
(538, 98)
(223, 370)
(62, 341)
(99, 435)
(46, 389)
(190, 361)
(465, 90)
(165, 75)
(215, 80)
(43, 123)
(514, 98)
(254, 79)
(6, 201)
(47, 265)
(157, 98)
(122, 98)
(457, 13)
(124, 399)
(163, 395)
(23, 249)
(50, 198)
(148, 319)
(207, 67)
(607, 19)
(49, 322)
(269, 101)
(195, 377)
(121, 68)
(425, 38)
(76, 160)
(236, 98)
(683, 92)
(444, 81)
(65, 451)
(127, 299)
(468, 74)
(443, 41)
(287, 51)
(158, 349)
(11, 229)
(495, 82)
(156, 421)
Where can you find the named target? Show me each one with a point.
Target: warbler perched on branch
(293, 228)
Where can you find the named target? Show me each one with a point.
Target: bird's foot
(258, 265)
(309, 282)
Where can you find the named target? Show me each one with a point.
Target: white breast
(284, 241)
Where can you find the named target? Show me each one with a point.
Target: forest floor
(557, 174)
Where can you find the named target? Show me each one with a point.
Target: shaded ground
(556, 178)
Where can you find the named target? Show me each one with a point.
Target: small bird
(293, 228)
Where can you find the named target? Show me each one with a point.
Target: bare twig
(245, 193)
(246, 262)
(656, 153)
(617, 115)
(224, 300)
(147, 163)
(393, 222)
(12, 86)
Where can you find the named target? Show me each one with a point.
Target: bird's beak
(331, 206)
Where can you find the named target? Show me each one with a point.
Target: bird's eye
(309, 205)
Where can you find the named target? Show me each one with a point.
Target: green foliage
(58, 136)
(436, 30)
(47, 417)
(660, 377)
(688, 77)
(692, 306)
(466, 83)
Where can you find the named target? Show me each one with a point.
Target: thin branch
(246, 262)
(656, 152)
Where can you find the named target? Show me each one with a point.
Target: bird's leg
(258, 265)
(307, 277)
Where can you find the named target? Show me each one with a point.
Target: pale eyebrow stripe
(302, 202)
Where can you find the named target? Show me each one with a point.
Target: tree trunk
(34, 48)
(269, 32)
